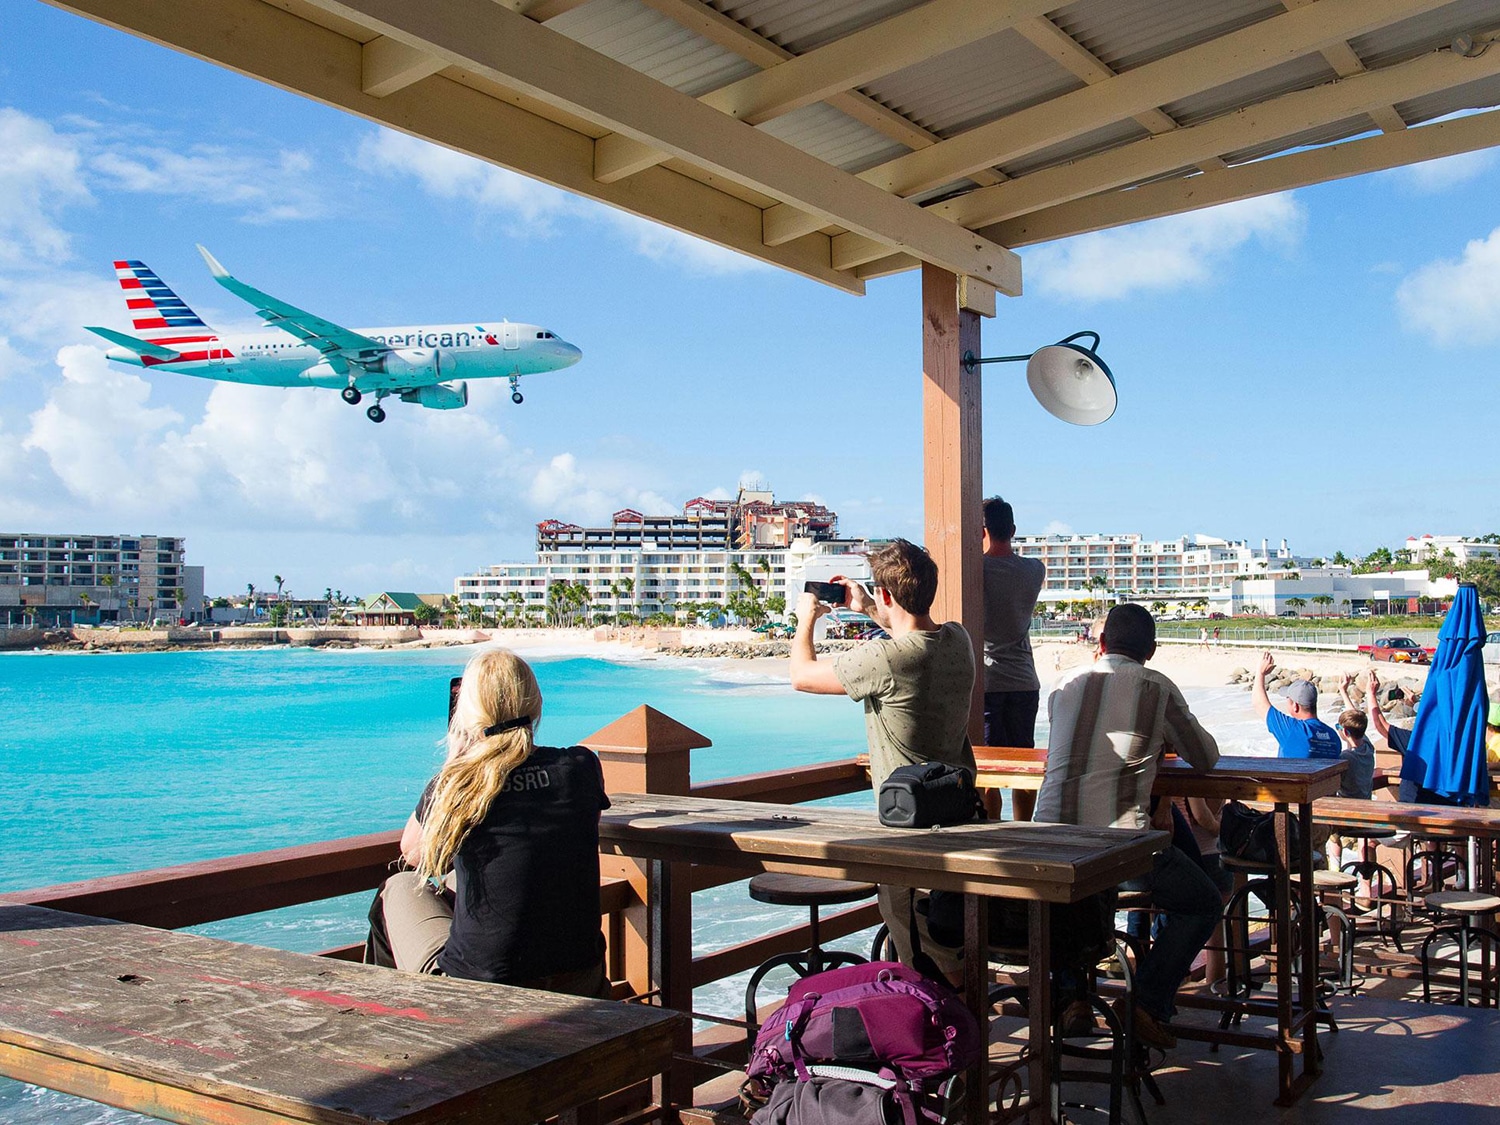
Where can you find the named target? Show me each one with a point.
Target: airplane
(418, 364)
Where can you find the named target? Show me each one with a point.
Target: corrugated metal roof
(1482, 94)
(1436, 28)
(1124, 34)
(1298, 74)
(1322, 135)
(1097, 140)
(805, 25)
(834, 137)
(645, 40)
(1001, 74)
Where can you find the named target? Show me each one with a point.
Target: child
(1359, 778)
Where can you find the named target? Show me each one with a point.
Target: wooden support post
(952, 462)
(646, 751)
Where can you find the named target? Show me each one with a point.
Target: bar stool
(1331, 888)
(811, 892)
(1465, 906)
(1250, 878)
(1438, 855)
(1381, 879)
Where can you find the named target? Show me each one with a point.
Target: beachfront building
(1178, 572)
(1331, 591)
(52, 579)
(1422, 549)
(397, 607)
(643, 565)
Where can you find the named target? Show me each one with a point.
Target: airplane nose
(568, 353)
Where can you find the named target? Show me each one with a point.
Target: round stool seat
(1331, 880)
(806, 890)
(1463, 902)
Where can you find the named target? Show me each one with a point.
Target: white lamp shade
(1072, 383)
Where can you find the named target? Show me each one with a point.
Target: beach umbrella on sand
(1446, 751)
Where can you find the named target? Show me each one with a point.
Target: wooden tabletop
(1048, 862)
(195, 1029)
(1294, 780)
(1425, 820)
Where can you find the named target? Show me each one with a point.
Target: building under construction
(753, 519)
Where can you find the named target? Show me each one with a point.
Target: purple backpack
(881, 1017)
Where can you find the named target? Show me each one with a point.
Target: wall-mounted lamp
(1069, 380)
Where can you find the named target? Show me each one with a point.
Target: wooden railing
(644, 751)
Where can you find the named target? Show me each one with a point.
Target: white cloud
(531, 206)
(263, 187)
(40, 175)
(1163, 254)
(1057, 527)
(1433, 176)
(1456, 301)
(446, 174)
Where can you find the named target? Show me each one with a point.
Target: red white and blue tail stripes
(154, 309)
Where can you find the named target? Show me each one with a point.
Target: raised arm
(1378, 721)
(808, 673)
(411, 841)
(1259, 696)
(1346, 689)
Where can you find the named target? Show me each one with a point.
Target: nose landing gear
(515, 390)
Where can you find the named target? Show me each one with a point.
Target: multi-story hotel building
(1187, 568)
(51, 579)
(645, 565)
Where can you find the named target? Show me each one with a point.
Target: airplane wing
(340, 345)
(130, 343)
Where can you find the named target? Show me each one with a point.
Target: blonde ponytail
(492, 732)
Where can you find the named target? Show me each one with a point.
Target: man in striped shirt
(1111, 722)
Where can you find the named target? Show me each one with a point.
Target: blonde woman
(513, 829)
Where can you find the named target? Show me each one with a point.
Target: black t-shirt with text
(527, 887)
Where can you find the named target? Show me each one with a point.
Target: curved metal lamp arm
(972, 361)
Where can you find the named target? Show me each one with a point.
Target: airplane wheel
(515, 397)
(375, 414)
(351, 395)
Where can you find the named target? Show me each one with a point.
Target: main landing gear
(351, 395)
(515, 390)
(376, 413)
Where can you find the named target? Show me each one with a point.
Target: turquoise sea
(113, 763)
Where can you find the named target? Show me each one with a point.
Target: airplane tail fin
(155, 311)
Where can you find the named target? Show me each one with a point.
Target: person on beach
(1111, 723)
(916, 688)
(513, 827)
(1012, 692)
(1298, 731)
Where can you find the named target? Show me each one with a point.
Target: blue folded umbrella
(1446, 751)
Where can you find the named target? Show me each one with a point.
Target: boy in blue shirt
(1298, 731)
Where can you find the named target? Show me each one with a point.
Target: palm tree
(1323, 600)
(1158, 608)
(278, 580)
(1295, 603)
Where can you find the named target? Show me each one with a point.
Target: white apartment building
(647, 580)
(1427, 547)
(1391, 591)
(1172, 570)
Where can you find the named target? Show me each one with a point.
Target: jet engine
(410, 365)
(439, 396)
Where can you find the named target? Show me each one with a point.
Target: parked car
(1492, 648)
(1400, 650)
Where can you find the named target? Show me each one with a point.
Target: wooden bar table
(210, 1032)
(1282, 782)
(1040, 863)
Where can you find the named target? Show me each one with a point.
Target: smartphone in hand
(834, 593)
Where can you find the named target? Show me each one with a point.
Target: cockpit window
(545, 336)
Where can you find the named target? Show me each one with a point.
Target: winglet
(131, 344)
(214, 268)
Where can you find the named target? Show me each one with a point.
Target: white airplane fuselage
(422, 354)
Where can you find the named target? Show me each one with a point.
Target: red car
(1402, 650)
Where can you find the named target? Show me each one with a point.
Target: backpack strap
(920, 959)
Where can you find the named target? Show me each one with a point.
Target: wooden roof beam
(1346, 63)
(266, 42)
(1268, 121)
(790, 82)
(1240, 53)
(1262, 177)
(512, 51)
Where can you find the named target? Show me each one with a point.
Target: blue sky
(1318, 366)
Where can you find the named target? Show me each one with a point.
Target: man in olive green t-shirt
(916, 687)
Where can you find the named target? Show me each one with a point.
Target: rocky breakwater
(749, 650)
(1398, 708)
